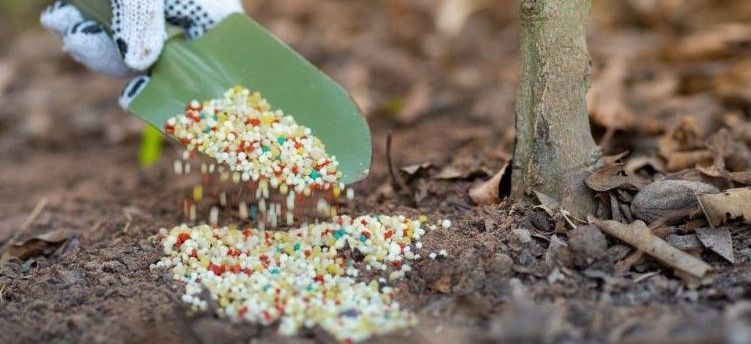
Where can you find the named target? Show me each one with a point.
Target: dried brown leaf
(718, 240)
(735, 82)
(442, 284)
(411, 170)
(732, 204)
(712, 42)
(637, 163)
(548, 203)
(688, 242)
(42, 244)
(453, 14)
(638, 235)
(450, 172)
(612, 177)
(488, 192)
(741, 177)
(677, 161)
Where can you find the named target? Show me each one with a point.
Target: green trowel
(238, 51)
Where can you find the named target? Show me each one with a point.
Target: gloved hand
(138, 34)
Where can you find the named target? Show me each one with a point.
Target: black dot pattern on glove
(117, 20)
(189, 15)
(89, 27)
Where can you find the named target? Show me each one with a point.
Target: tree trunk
(555, 150)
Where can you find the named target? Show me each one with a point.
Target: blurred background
(405, 60)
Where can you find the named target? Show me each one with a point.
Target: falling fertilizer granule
(301, 277)
(242, 132)
(263, 149)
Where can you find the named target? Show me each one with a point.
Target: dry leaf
(677, 161)
(712, 42)
(549, 204)
(741, 177)
(442, 284)
(411, 170)
(728, 205)
(668, 198)
(735, 83)
(612, 177)
(688, 242)
(489, 192)
(39, 245)
(449, 172)
(453, 14)
(637, 163)
(718, 240)
(612, 159)
(638, 235)
(656, 89)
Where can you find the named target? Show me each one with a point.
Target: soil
(63, 141)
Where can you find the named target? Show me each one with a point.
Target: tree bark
(554, 150)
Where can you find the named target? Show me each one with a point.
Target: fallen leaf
(683, 147)
(710, 43)
(489, 192)
(741, 177)
(548, 204)
(668, 198)
(39, 245)
(612, 159)
(728, 205)
(453, 14)
(449, 172)
(677, 161)
(655, 89)
(638, 163)
(739, 126)
(688, 242)
(637, 234)
(735, 82)
(718, 240)
(612, 177)
(414, 169)
(442, 284)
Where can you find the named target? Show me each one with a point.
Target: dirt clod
(587, 245)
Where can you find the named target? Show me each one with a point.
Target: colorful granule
(299, 278)
(243, 132)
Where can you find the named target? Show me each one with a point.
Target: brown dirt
(62, 139)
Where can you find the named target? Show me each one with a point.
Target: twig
(645, 276)
(638, 235)
(26, 223)
(34, 214)
(396, 181)
(626, 264)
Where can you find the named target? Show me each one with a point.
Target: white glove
(138, 34)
